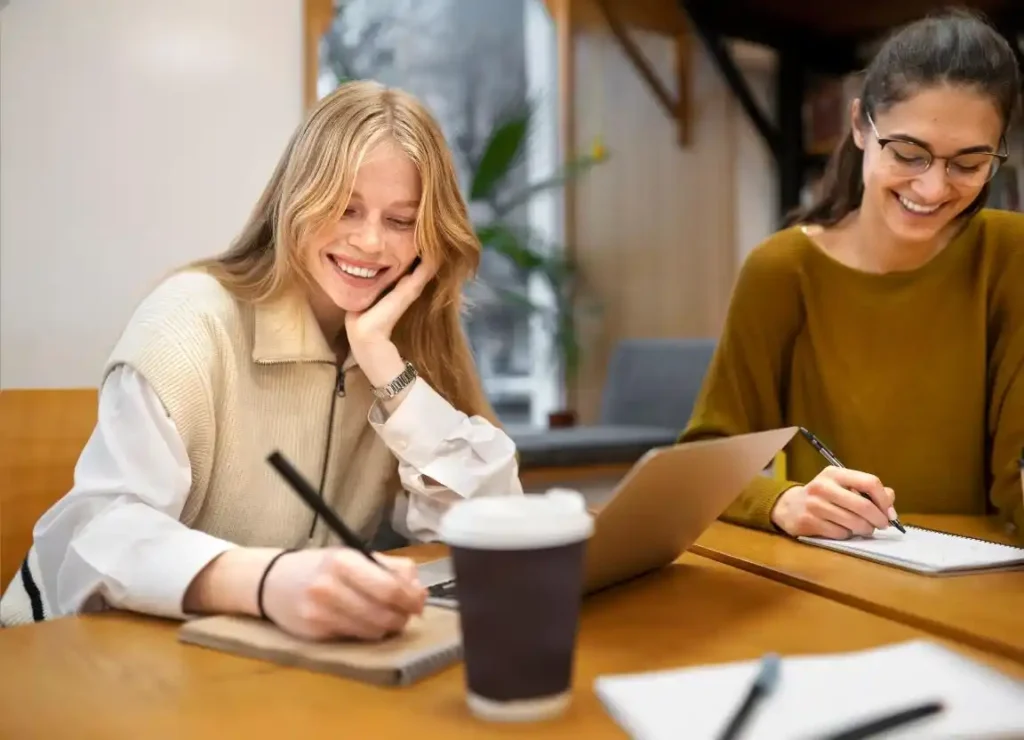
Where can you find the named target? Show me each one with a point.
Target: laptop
(659, 508)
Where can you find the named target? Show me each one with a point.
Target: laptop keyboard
(443, 590)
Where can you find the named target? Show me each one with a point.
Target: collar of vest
(285, 330)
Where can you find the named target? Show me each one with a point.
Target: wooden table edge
(937, 628)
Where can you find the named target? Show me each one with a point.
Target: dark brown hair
(953, 48)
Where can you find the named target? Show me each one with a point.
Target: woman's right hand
(831, 506)
(320, 594)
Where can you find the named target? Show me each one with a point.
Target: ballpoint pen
(881, 725)
(834, 461)
(764, 684)
(306, 492)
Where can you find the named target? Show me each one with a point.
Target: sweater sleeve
(745, 386)
(1006, 399)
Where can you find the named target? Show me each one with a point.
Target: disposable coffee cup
(518, 564)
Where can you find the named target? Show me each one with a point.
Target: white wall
(135, 135)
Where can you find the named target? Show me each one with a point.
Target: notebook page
(821, 694)
(934, 550)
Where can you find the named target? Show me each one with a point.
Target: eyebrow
(980, 149)
(411, 203)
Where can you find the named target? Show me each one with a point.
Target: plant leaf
(504, 239)
(571, 170)
(503, 149)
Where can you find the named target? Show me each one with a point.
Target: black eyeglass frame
(999, 158)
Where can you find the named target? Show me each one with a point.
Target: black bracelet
(263, 582)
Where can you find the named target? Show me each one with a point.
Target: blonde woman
(331, 331)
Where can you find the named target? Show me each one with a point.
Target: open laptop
(662, 505)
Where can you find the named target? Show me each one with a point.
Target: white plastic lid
(532, 521)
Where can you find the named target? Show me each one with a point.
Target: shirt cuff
(419, 426)
(165, 574)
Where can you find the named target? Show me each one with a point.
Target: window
(472, 62)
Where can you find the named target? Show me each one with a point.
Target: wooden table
(985, 611)
(118, 676)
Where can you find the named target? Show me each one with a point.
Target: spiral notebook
(428, 644)
(927, 551)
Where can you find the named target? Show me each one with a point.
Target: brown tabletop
(985, 610)
(117, 676)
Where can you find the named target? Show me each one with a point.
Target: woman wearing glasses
(889, 319)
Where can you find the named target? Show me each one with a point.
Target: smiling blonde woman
(330, 330)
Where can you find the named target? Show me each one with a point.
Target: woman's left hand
(369, 331)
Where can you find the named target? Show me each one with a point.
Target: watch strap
(399, 384)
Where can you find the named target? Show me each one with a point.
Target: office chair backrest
(42, 433)
(655, 382)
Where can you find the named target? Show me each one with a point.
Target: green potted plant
(527, 251)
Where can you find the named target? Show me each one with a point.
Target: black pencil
(834, 461)
(308, 494)
(881, 724)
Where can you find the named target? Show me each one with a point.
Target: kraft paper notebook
(429, 643)
(927, 551)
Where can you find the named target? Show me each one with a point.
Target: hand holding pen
(329, 593)
(837, 503)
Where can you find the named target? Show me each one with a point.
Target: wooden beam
(655, 16)
(720, 54)
(684, 93)
(821, 53)
(565, 29)
(790, 93)
(317, 16)
(678, 107)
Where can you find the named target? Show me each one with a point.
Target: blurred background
(620, 158)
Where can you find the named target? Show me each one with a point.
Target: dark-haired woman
(889, 318)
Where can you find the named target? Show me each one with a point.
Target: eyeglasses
(972, 169)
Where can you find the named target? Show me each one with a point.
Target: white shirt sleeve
(115, 539)
(443, 456)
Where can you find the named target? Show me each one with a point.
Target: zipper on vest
(339, 392)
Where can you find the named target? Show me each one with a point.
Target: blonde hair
(312, 184)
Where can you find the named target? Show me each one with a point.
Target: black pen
(896, 719)
(764, 684)
(307, 493)
(834, 462)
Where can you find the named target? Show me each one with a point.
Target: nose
(932, 185)
(368, 237)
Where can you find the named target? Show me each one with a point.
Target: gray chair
(648, 398)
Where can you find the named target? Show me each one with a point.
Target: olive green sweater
(916, 377)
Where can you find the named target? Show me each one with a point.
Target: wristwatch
(399, 384)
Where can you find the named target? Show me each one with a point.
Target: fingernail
(892, 514)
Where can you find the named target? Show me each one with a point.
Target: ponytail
(842, 187)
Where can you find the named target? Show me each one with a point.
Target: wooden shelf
(656, 16)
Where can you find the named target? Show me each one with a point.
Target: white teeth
(363, 272)
(916, 207)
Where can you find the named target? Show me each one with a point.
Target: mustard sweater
(916, 377)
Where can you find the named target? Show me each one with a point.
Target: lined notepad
(822, 694)
(927, 551)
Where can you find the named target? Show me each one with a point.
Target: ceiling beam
(676, 107)
(819, 53)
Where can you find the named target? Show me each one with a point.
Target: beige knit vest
(240, 381)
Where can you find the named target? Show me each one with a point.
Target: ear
(856, 116)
